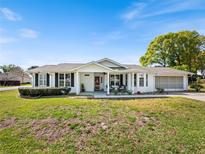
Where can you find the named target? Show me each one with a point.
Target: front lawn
(65, 125)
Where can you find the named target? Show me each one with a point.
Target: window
(146, 80)
(114, 80)
(67, 80)
(42, 80)
(117, 80)
(61, 80)
(141, 81)
(135, 80)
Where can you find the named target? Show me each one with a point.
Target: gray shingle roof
(56, 68)
(66, 67)
(168, 71)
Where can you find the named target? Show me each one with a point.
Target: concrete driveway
(196, 96)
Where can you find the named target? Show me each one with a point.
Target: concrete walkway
(102, 95)
(195, 96)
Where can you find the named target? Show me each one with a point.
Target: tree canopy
(7, 68)
(183, 50)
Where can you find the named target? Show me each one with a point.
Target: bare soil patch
(7, 123)
(51, 129)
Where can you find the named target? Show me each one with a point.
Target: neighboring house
(12, 76)
(106, 74)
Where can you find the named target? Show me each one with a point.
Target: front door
(97, 83)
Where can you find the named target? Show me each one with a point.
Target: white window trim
(64, 80)
(141, 76)
(44, 80)
(115, 79)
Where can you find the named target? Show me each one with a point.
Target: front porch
(104, 83)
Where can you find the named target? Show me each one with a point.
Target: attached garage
(169, 82)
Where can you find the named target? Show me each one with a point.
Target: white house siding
(185, 80)
(88, 80)
(129, 82)
(149, 88)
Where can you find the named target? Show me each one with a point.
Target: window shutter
(56, 79)
(36, 79)
(121, 79)
(135, 80)
(72, 80)
(48, 80)
(126, 78)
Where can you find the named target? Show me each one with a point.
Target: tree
(181, 50)
(201, 63)
(11, 72)
(197, 85)
(7, 68)
(19, 72)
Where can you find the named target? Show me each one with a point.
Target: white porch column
(77, 83)
(133, 87)
(108, 83)
(129, 81)
(185, 82)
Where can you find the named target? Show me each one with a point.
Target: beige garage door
(169, 82)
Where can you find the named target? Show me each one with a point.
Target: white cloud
(28, 33)
(155, 8)
(134, 11)
(10, 15)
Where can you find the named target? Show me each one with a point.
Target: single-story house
(14, 79)
(106, 74)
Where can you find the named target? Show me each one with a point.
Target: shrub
(37, 92)
(197, 85)
(129, 92)
(160, 90)
(82, 88)
(114, 91)
(138, 92)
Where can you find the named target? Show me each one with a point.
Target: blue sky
(36, 32)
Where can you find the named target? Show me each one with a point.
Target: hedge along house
(106, 74)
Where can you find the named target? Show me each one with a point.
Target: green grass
(65, 125)
(24, 84)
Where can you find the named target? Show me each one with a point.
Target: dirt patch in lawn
(7, 123)
(51, 129)
(82, 130)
